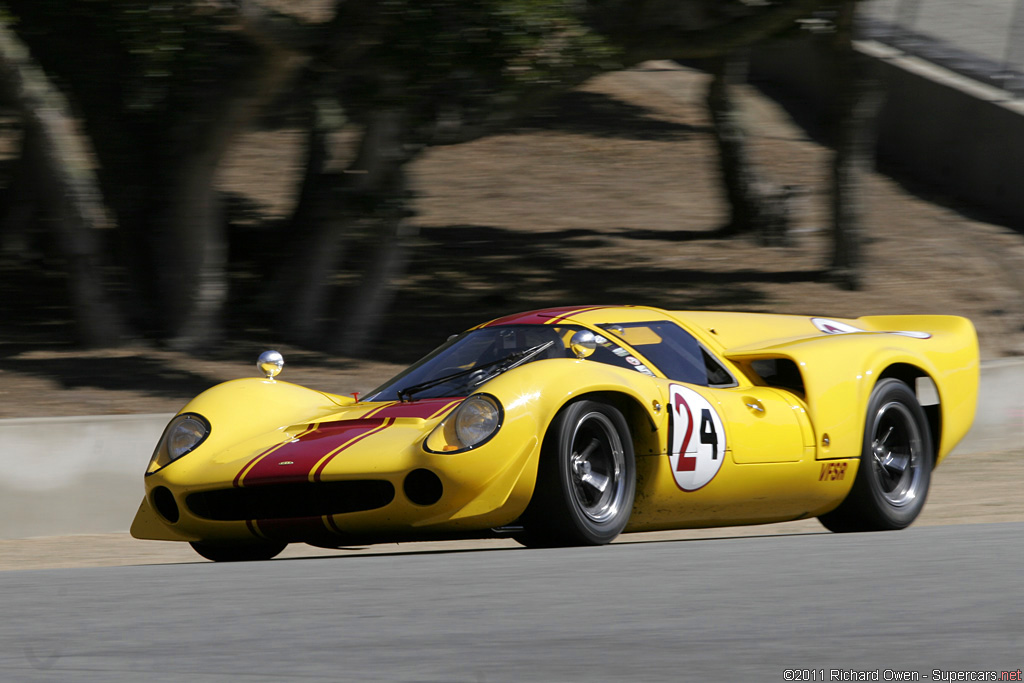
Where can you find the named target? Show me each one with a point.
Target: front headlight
(182, 436)
(475, 421)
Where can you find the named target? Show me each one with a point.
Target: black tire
(249, 551)
(895, 465)
(586, 480)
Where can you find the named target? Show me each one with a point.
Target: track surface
(941, 597)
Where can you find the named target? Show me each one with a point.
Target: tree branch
(667, 41)
(44, 106)
(271, 29)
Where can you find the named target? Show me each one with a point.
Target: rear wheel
(586, 480)
(895, 465)
(247, 551)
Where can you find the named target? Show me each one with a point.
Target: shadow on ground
(461, 275)
(458, 276)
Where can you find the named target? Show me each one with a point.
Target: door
(764, 425)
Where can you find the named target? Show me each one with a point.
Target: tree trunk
(382, 184)
(188, 227)
(670, 29)
(857, 100)
(67, 186)
(302, 284)
(21, 198)
(314, 190)
(190, 250)
(371, 190)
(361, 314)
(755, 205)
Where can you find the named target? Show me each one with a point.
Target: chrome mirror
(583, 343)
(270, 363)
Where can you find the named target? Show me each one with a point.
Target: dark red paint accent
(541, 316)
(685, 463)
(238, 477)
(423, 409)
(355, 438)
(304, 452)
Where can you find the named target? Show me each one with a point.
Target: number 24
(708, 435)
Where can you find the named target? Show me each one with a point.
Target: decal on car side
(696, 438)
(832, 471)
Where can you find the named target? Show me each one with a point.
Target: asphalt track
(945, 598)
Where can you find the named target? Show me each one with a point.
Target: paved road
(736, 609)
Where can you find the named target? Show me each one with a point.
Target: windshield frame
(626, 355)
(413, 376)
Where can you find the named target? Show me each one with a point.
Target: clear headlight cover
(475, 421)
(184, 433)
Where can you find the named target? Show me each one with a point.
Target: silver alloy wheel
(596, 465)
(897, 454)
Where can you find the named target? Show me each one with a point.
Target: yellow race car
(569, 426)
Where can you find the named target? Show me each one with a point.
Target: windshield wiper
(503, 364)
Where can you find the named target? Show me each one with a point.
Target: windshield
(491, 350)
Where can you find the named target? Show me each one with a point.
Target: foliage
(148, 47)
(164, 87)
(472, 57)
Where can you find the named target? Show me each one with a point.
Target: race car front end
(369, 472)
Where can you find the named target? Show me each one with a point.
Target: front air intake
(284, 501)
(423, 487)
(163, 501)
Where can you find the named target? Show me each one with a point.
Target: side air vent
(779, 372)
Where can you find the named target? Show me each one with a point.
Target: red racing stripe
(425, 409)
(379, 408)
(242, 472)
(540, 317)
(304, 457)
(358, 436)
(555, 321)
(295, 460)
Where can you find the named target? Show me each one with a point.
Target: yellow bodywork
(789, 452)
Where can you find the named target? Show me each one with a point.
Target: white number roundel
(696, 438)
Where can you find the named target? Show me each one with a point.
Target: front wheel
(586, 480)
(249, 551)
(895, 465)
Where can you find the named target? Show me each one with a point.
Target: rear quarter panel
(840, 370)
